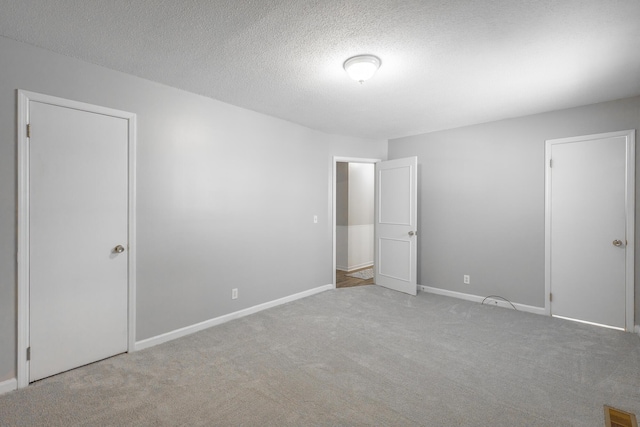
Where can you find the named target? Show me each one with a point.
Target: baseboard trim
(8, 385)
(355, 267)
(476, 298)
(359, 266)
(188, 330)
(636, 328)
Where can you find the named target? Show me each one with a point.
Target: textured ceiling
(445, 63)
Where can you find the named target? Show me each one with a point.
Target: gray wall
(226, 196)
(342, 215)
(482, 198)
(361, 193)
(354, 215)
(342, 193)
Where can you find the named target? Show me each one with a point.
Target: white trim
(547, 229)
(332, 200)
(188, 330)
(356, 267)
(22, 374)
(630, 218)
(637, 329)
(133, 247)
(631, 230)
(8, 385)
(24, 97)
(479, 299)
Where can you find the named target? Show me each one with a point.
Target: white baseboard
(359, 266)
(159, 339)
(354, 267)
(8, 385)
(476, 298)
(636, 328)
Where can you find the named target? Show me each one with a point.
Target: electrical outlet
(234, 293)
(315, 219)
(466, 279)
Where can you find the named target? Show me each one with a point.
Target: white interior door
(588, 228)
(396, 224)
(78, 215)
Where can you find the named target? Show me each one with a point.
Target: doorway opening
(353, 221)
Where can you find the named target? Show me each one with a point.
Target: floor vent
(616, 418)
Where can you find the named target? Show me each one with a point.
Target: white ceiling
(445, 63)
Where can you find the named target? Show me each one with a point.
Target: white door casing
(396, 240)
(589, 222)
(77, 203)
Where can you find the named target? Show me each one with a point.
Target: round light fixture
(362, 67)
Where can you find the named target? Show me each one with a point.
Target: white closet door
(77, 217)
(588, 203)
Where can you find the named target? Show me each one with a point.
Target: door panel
(394, 259)
(588, 212)
(395, 195)
(396, 224)
(78, 214)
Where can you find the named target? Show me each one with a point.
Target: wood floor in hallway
(344, 281)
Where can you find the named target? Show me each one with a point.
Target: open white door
(396, 222)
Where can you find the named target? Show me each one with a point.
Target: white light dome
(362, 67)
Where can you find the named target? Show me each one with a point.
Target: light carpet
(363, 356)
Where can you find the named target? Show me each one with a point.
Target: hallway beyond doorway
(344, 281)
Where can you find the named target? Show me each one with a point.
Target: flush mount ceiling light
(362, 67)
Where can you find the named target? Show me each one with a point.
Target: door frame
(630, 208)
(337, 159)
(24, 98)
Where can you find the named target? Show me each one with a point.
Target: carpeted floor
(362, 356)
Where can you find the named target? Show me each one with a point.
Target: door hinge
(29, 131)
(28, 353)
(550, 163)
(550, 296)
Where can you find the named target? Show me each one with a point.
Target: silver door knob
(617, 243)
(413, 233)
(119, 249)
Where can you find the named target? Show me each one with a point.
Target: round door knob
(413, 233)
(119, 249)
(617, 242)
